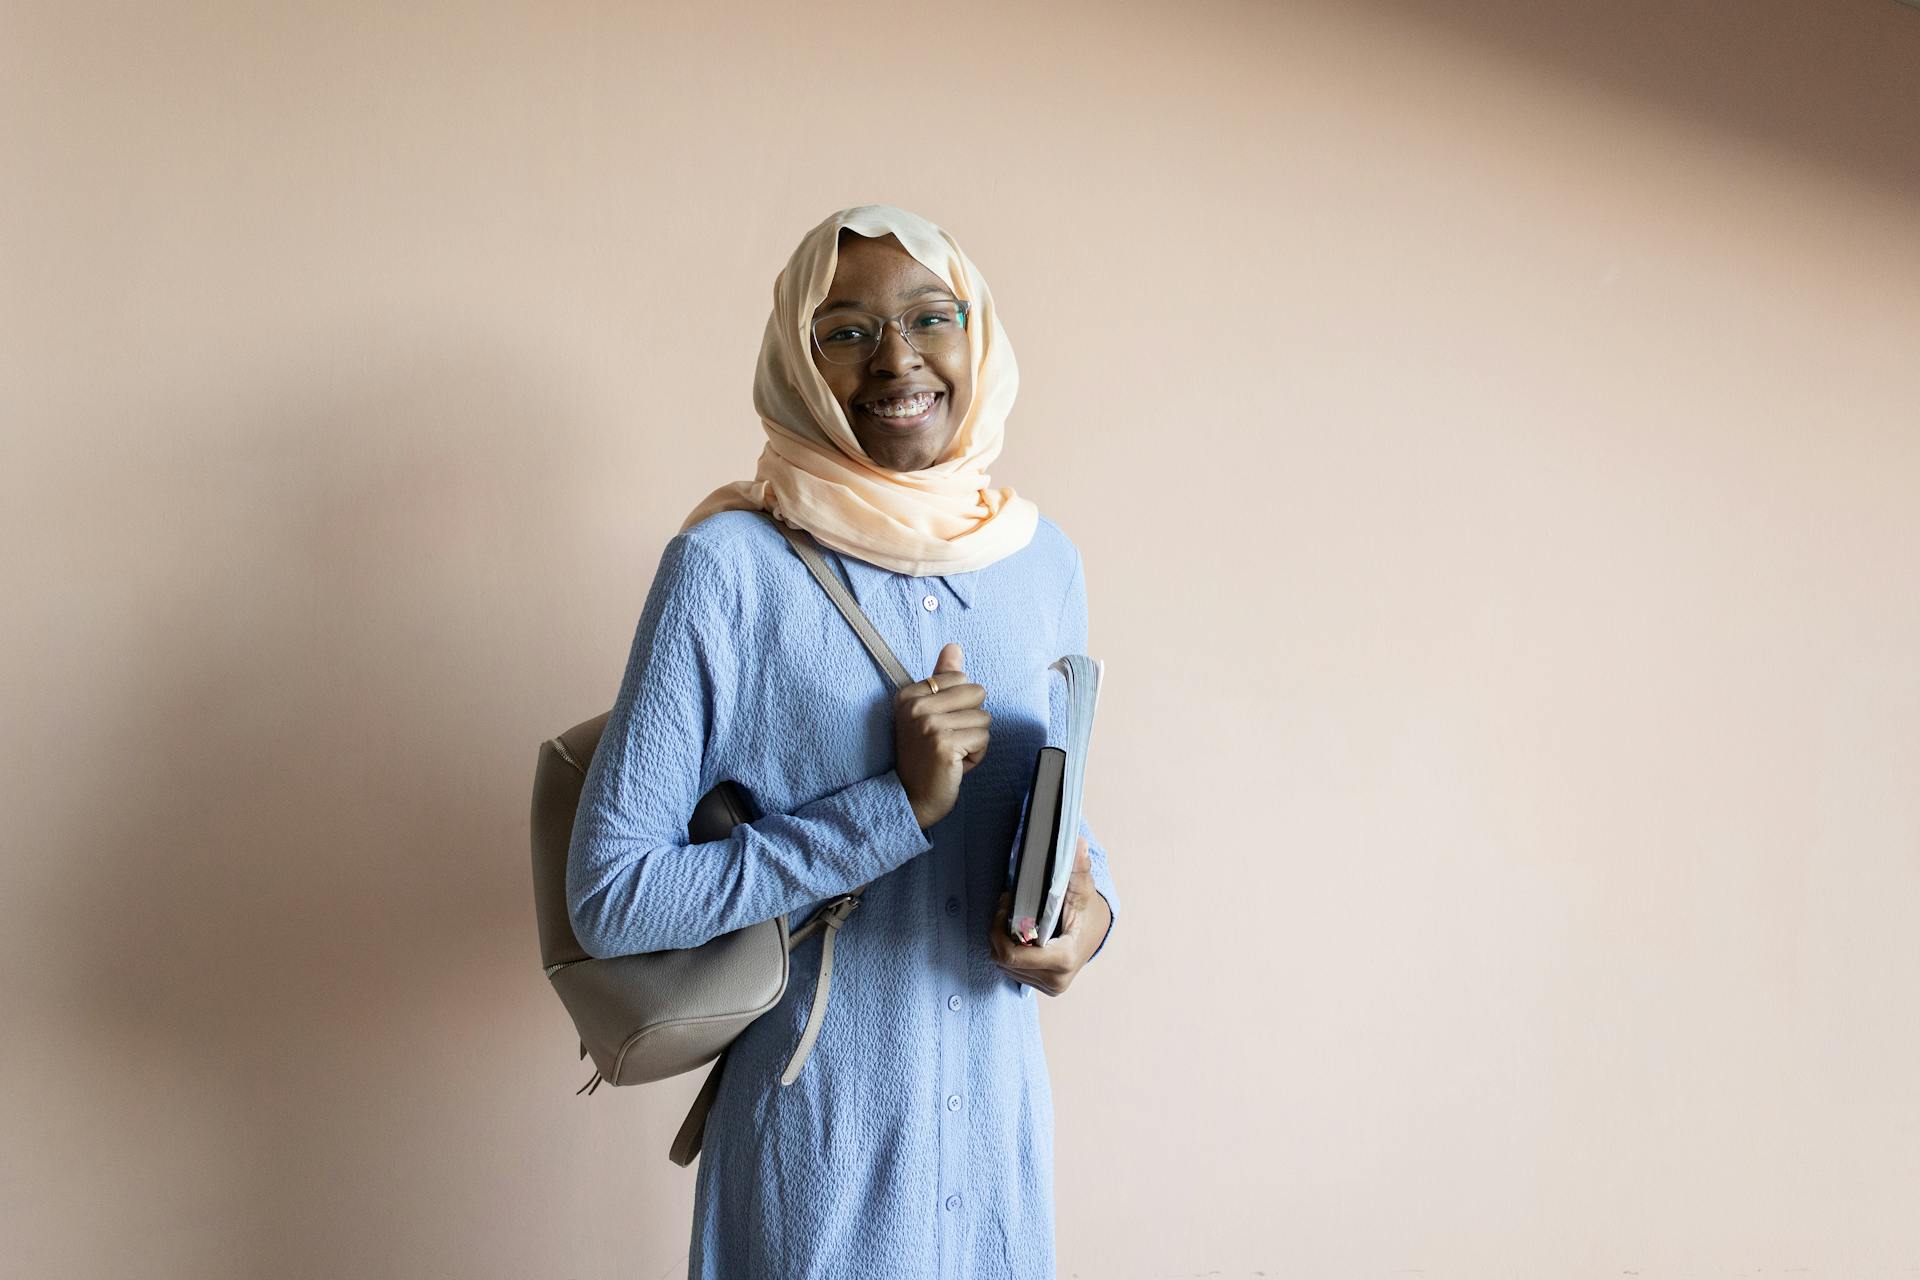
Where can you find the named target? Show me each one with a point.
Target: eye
(845, 333)
(935, 315)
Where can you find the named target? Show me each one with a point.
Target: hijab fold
(814, 474)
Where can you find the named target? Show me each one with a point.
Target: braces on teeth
(914, 406)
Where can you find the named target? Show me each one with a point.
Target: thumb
(949, 659)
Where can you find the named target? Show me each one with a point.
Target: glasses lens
(936, 326)
(850, 337)
(847, 337)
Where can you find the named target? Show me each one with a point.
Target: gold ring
(931, 685)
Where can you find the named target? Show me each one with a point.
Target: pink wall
(1491, 430)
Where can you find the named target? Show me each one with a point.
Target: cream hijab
(813, 472)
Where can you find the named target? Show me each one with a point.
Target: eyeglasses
(851, 337)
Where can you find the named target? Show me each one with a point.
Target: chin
(904, 465)
(909, 461)
(899, 457)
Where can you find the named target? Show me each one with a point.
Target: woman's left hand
(1051, 966)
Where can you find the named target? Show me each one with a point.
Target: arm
(1073, 639)
(634, 883)
(1072, 631)
(1103, 885)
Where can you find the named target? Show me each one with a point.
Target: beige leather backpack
(663, 1013)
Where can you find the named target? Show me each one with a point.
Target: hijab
(813, 473)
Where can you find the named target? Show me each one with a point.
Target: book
(1049, 833)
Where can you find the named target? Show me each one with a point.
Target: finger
(1080, 881)
(966, 743)
(1002, 935)
(957, 693)
(1083, 866)
(949, 659)
(1007, 947)
(931, 686)
(997, 927)
(1046, 971)
(998, 940)
(1072, 912)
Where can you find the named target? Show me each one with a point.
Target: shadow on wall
(310, 960)
(1836, 80)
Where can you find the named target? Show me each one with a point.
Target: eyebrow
(858, 305)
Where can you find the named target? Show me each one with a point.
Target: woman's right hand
(938, 737)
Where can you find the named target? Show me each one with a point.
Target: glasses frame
(813, 330)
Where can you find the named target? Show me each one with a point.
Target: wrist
(919, 814)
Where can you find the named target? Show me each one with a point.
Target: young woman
(917, 1138)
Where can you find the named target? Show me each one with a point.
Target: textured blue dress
(917, 1143)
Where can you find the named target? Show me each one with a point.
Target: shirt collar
(965, 586)
(870, 581)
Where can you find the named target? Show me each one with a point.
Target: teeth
(909, 408)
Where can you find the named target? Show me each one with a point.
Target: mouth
(904, 414)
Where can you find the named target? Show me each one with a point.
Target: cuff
(1103, 882)
(879, 808)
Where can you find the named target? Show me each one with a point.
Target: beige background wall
(1491, 430)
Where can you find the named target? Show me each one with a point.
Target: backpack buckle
(835, 913)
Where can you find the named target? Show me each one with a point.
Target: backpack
(658, 1014)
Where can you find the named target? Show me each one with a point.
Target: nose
(895, 353)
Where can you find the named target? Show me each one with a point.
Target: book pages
(1083, 676)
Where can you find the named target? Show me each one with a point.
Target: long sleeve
(634, 882)
(1073, 639)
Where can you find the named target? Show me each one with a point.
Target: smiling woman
(917, 1137)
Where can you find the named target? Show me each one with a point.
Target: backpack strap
(835, 913)
(686, 1143)
(808, 550)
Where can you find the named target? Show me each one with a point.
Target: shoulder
(1052, 542)
(1055, 552)
(709, 561)
(734, 537)
(736, 561)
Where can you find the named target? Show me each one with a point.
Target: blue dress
(917, 1143)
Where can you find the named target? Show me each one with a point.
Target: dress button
(929, 603)
(953, 906)
(953, 1002)
(953, 1102)
(953, 1202)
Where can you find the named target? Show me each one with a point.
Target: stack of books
(1049, 832)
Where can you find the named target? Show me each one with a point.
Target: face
(881, 277)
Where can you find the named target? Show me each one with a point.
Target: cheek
(960, 378)
(836, 380)
(962, 402)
